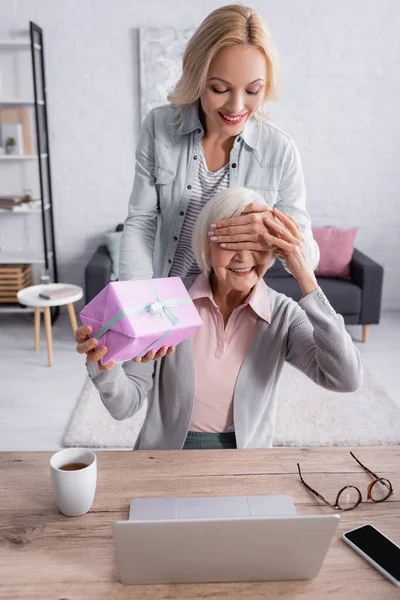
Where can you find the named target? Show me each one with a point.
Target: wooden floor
(36, 401)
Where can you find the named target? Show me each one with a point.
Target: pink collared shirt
(219, 352)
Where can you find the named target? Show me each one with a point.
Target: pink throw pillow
(336, 248)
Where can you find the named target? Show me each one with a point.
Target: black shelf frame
(43, 147)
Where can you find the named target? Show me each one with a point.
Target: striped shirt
(205, 186)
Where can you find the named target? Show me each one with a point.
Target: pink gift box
(133, 317)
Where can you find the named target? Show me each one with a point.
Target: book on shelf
(24, 117)
(56, 293)
(18, 203)
(11, 200)
(32, 205)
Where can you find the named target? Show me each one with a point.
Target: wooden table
(44, 554)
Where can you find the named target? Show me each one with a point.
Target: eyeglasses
(349, 497)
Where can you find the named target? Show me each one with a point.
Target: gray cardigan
(310, 335)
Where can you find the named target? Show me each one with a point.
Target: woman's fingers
(82, 333)
(232, 239)
(161, 353)
(245, 219)
(95, 355)
(87, 345)
(255, 246)
(231, 230)
(107, 366)
(153, 355)
(249, 232)
(257, 208)
(150, 355)
(279, 243)
(280, 229)
(288, 221)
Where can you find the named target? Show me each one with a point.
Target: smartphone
(377, 549)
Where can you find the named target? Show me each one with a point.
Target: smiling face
(234, 89)
(238, 270)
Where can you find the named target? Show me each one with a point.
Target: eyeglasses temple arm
(314, 491)
(364, 467)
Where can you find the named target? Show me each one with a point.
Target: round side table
(30, 297)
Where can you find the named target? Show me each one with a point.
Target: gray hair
(224, 205)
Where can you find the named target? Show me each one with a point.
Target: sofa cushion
(336, 249)
(344, 296)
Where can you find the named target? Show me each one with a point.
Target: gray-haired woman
(219, 388)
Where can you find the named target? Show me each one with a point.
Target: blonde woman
(214, 134)
(219, 389)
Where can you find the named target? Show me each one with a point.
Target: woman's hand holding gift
(153, 355)
(89, 346)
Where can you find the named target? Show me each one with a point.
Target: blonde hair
(231, 25)
(227, 203)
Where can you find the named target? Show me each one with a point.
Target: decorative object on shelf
(13, 131)
(45, 278)
(11, 146)
(13, 278)
(23, 117)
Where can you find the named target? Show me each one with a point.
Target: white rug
(307, 415)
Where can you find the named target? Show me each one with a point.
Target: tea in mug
(75, 466)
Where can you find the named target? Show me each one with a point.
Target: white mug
(74, 490)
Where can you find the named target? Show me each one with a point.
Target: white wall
(340, 101)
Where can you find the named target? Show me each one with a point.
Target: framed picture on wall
(160, 54)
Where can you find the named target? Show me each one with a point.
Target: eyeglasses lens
(380, 490)
(349, 498)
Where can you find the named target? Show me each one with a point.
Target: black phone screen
(378, 547)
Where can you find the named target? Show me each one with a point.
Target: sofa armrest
(97, 273)
(368, 275)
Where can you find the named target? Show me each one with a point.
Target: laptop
(220, 539)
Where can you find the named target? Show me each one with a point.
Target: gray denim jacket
(263, 158)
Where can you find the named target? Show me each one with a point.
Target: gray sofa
(358, 300)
